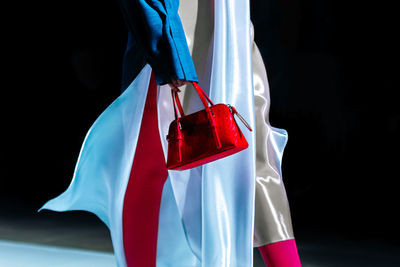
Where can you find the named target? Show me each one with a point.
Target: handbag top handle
(204, 98)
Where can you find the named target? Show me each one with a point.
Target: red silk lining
(143, 193)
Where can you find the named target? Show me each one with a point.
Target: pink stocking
(281, 254)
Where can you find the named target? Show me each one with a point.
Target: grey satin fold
(272, 215)
(272, 220)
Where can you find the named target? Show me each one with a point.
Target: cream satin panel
(272, 215)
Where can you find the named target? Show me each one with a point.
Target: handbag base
(205, 160)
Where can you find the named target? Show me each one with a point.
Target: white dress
(212, 215)
(272, 214)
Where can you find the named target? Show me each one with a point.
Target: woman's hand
(175, 83)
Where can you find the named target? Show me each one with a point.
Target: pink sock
(281, 254)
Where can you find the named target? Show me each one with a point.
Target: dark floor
(85, 231)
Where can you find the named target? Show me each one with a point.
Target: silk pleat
(104, 164)
(216, 201)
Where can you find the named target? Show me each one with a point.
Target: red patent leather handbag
(203, 136)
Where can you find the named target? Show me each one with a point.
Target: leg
(143, 194)
(281, 254)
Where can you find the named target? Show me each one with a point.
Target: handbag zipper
(234, 111)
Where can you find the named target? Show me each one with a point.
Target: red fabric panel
(143, 194)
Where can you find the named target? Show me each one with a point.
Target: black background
(331, 65)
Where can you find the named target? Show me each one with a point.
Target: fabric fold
(104, 163)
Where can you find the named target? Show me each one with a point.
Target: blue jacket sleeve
(157, 29)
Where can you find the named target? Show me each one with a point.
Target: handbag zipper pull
(234, 111)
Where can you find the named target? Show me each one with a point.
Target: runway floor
(80, 239)
(17, 254)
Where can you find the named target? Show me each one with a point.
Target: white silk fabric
(212, 215)
(216, 201)
(102, 171)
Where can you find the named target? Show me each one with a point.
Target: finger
(176, 83)
(174, 88)
(181, 82)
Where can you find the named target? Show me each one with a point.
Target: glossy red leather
(204, 136)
